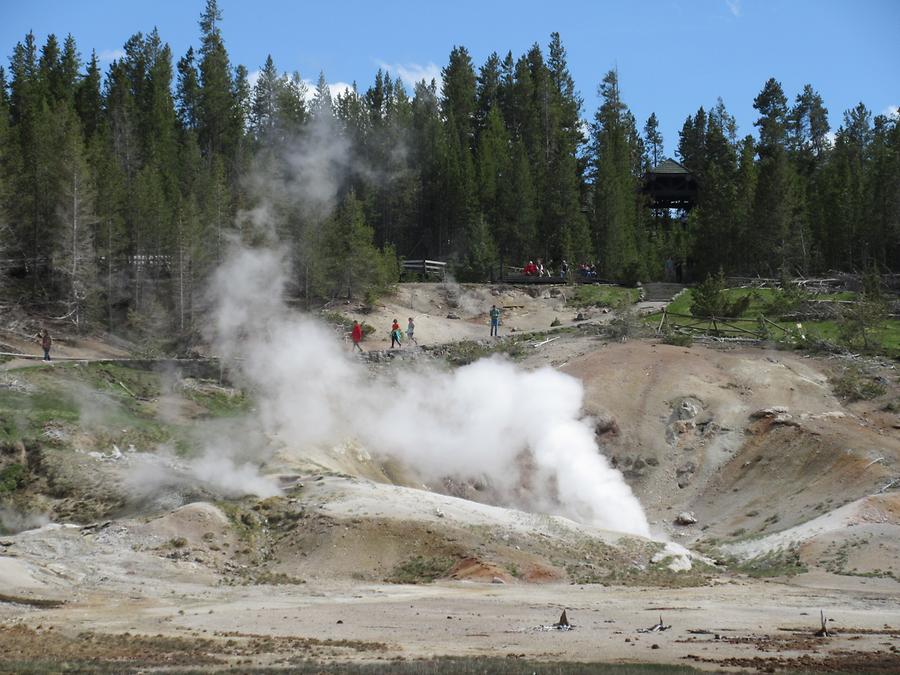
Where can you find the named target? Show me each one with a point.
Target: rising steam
(490, 418)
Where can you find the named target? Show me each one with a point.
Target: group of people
(533, 269)
(356, 334)
(537, 269)
(586, 271)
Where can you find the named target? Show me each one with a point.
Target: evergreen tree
(218, 119)
(565, 226)
(264, 108)
(653, 139)
(458, 107)
(775, 228)
(615, 185)
(322, 103)
(347, 259)
(74, 249)
(88, 99)
(188, 91)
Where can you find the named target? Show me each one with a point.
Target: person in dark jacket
(46, 342)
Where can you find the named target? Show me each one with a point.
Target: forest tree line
(119, 190)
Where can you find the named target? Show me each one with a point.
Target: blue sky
(672, 55)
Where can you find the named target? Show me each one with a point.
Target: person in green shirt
(495, 321)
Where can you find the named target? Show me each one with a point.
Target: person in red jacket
(356, 335)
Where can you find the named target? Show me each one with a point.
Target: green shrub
(671, 337)
(710, 299)
(418, 570)
(854, 384)
(12, 478)
(623, 325)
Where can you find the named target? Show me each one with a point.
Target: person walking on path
(410, 329)
(356, 335)
(46, 342)
(495, 321)
(395, 334)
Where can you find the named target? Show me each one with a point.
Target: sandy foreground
(734, 624)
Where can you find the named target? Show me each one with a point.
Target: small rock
(685, 518)
(769, 412)
(497, 580)
(654, 646)
(451, 315)
(606, 425)
(688, 409)
(687, 467)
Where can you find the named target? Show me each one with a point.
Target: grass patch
(760, 301)
(469, 351)
(219, 402)
(596, 295)
(23, 414)
(122, 380)
(420, 570)
(778, 563)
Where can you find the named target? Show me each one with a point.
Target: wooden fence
(716, 326)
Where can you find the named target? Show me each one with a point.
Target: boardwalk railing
(425, 267)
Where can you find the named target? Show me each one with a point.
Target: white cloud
(734, 6)
(892, 111)
(334, 88)
(108, 55)
(253, 78)
(411, 73)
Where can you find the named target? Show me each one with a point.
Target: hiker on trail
(395, 334)
(564, 269)
(530, 269)
(46, 342)
(356, 335)
(495, 321)
(410, 329)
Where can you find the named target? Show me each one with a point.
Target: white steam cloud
(522, 429)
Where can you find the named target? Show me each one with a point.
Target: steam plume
(488, 418)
